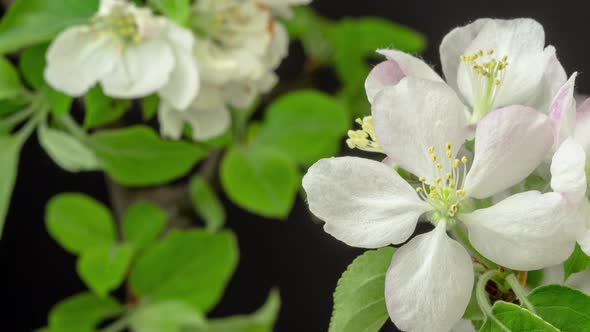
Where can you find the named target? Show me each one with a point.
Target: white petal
(414, 115)
(183, 84)
(526, 231)
(562, 111)
(584, 221)
(553, 79)
(279, 46)
(385, 74)
(429, 282)
(364, 203)
(141, 70)
(568, 170)
(411, 65)
(509, 144)
(583, 126)
(522, 41)
(455, 44)
(77, 59)
(464, 325)
(207, 117)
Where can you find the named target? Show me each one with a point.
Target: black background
(294, 255)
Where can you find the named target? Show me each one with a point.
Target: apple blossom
(420, 124)
(130, 52)
(572, 122)
(239, 45)
(491, 63)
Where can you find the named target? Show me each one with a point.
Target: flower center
(486, 74)
(364, 138)
(446, 193)
(119, 24)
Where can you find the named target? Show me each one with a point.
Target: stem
(72, 127)
(118, 326)
(26, 131)
(483, 299)
(461, 234)
(520, 292)
(14, 119)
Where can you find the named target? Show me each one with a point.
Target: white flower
(420, 124)
(240, 45)
(130, 52)
(491, 63)
(572, 123)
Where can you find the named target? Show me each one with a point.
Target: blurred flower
(420, 124)
(490, 63)
(131, 52)
(239, 46)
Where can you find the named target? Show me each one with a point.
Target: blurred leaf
(32, 65)
(10, 84)
(577, 262)
(79, 222)
(359, 299)
(149, 106)
(305, 125)
(206, 203)
(66, 151)
(137, 156)
(565, 308)
(178, 10)
(82, 313)
(260, 180)
(8, 107)
(142, 224)
(315, 33)
(193, 266)
(101, 110)
(369, 34)
(103, 268)
(170, 316)
(262, 320)
(29, 22)
(473, 311)
(9, 155)
(516, 318)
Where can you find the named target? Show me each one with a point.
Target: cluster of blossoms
(225, 58)
(505, 111)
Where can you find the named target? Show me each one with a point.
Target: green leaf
(103, 268)
(79, 222)
(9, 155)
(142, 224)
(82, 313)
(170, 316)
(149, 106)
(206, 203)
(516, 318)
(193, 266)
(101, 110)
(178, 10)
(577, 262)
(565, 308)
(305, 125)
(262, 320)
(359, 299)
(66, 151)
(534, 278)
(262, 181)
(32, 65)
(137, 156)
(10, 84)
(29, 22)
